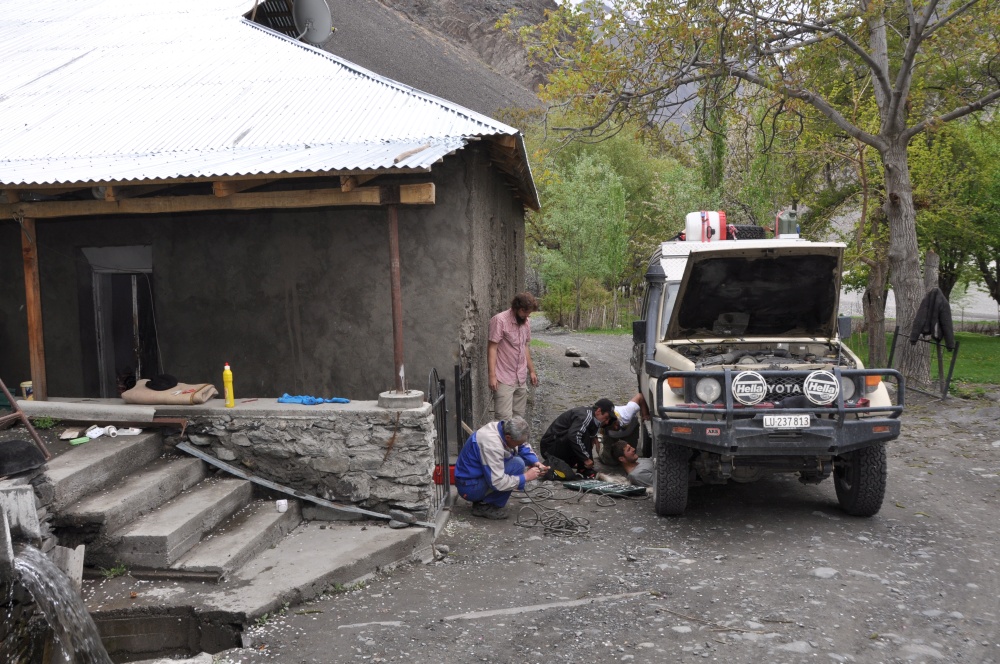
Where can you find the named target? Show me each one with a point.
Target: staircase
(206, 553)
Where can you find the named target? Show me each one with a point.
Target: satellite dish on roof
(313, 20)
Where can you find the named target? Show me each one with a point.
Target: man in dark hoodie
(571, 435)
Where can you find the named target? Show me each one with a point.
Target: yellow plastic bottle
(227, 385)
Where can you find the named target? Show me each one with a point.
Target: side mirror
(638, 331)
(844, 326)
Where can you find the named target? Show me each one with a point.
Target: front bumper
(731, 429)
(748, 437)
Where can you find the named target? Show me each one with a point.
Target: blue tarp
(310, 401)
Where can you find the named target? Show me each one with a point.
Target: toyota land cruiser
(740, 355)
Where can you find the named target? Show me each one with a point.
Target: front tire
(860, 478)
(672, 475)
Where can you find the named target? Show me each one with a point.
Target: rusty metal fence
(442, 461)
(464, 426)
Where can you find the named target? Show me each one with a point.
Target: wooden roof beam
(352, 182)
(506, 141)
(223, 188)
(119, 192)
(409, 194)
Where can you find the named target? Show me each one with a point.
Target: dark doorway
(124, 320)
(126, 330)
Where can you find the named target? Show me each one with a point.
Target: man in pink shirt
(509, 358)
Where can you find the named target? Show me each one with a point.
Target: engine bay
(774, 355)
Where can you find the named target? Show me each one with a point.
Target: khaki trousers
(510, 400)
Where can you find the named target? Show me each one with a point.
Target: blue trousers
(481, 491)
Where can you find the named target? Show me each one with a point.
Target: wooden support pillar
(33, 300)
(397, 300)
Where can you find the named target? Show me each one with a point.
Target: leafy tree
(578, 212)
(987, 219)
(659, 184)
(646, 61)
(945, 173)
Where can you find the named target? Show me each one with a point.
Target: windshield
(669, 300)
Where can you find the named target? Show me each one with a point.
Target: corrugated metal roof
(124, 90)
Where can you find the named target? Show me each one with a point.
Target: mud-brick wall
(376, 459)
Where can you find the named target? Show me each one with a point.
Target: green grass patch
(616, 331)
(119, 569)
(42, 422)
(978, 358)
(538, 343)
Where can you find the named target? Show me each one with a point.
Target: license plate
(786, 421)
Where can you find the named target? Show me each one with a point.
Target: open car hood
(759, 291)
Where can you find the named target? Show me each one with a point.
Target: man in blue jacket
(495, 461)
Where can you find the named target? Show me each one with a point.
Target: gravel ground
(765, 572)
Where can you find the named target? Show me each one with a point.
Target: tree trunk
(576, 315)
(614, 308)
(932, 263)
(873, 305)
(904, 259)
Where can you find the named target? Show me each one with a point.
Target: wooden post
(33, 305)
(397, 300)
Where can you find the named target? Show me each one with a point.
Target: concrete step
(256, 527)
(191, 615)
(115, 506)
(97, 463)
(160, 538)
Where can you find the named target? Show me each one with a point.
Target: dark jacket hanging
(934, 319)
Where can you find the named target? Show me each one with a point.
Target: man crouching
(495, 461)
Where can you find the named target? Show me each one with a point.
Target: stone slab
(96, 463)
(249, 531)
(70, 561)
(250, 407)
(6, 550)
(18, 504)
(313, 558)
(161, 537)
(135, 495)
(88, 410)
(309, 560)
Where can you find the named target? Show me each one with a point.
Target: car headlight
(708, 389)
(847, 387)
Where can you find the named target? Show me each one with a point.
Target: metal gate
(442, 467)
(464, 426)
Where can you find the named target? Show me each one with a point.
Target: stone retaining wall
(374, 458)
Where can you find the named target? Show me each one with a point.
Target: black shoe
(487, 511)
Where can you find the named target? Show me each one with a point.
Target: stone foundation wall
(374, 458)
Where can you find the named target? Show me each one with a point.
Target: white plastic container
(705, 226)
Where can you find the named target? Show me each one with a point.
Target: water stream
(73, 629)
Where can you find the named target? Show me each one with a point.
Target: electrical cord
(550, 519)
(555, 522)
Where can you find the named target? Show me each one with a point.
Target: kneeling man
(495, 461)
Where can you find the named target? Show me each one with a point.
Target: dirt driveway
(764, 572)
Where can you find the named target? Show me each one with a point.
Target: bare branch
(828, 27)
(816, 102)
(959, 112)
(931, 28)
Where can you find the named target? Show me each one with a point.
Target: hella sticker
(821, 387)
(749, 388)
